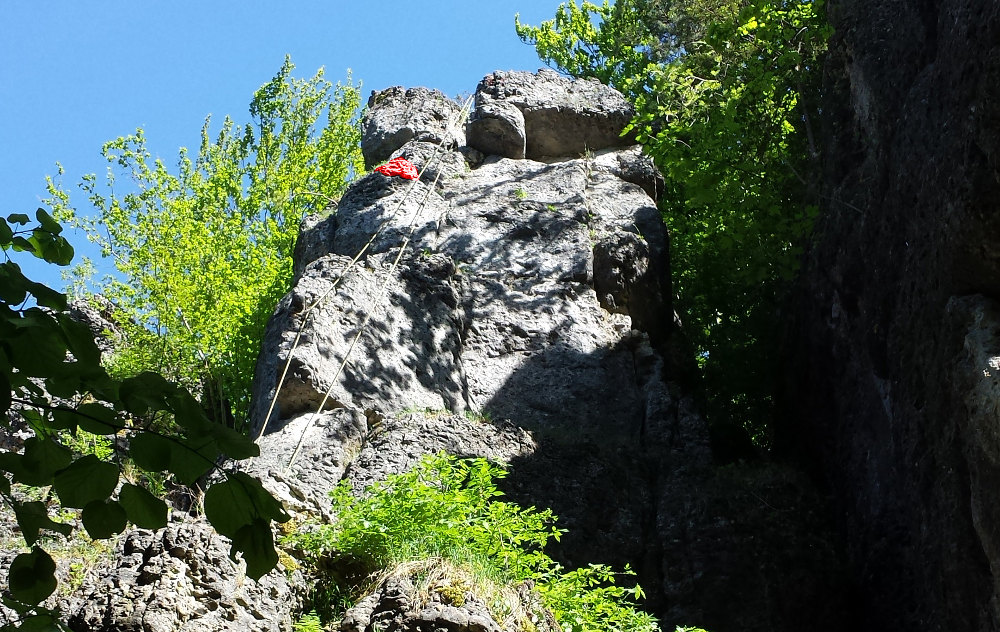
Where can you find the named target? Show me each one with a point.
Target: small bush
(447, 508)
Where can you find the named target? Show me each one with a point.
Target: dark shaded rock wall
(893, 386)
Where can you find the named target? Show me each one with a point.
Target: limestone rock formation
(181, 578)
(893, 392)
(537, 293)
(546, 115)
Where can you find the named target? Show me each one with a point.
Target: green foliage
(447, 508)
(52, 382)
(725, 98)
(607, 42)
(203, 251)
(308, 622)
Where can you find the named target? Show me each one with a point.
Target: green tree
(53, 386)
(203, 253)
(725, 94)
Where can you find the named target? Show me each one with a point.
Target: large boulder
(397, 115)
(545, 115)
(534, 296)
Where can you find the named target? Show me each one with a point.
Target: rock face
(535, 298)
(895, 387)
(181, 578)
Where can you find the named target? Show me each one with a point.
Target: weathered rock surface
(397, 604)
(399, 115)
(546, 115)
(181, 578)
(892, 392)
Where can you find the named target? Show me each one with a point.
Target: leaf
(229, 507)
(256, 542)
(44, 622)
(150, 452)
(143, 509)
(97, 419)
(18, 218)
(145, 391)
(32, 576)
(42, 458)
(20, 244)
(81, 342)
(47, 223)
(189, 413)
(6, 233)
(32, 517)
(233, 444)
(13, 284)
(86, 480)
(237, 502)
(54, 249)
(104, 518)
(190, 458)
(47, 297)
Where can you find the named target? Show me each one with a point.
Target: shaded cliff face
(894, 386)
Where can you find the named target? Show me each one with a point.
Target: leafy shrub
(203, 250)
(53, 386)
(447, 508)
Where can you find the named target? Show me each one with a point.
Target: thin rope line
(364, 323)
(459, 117)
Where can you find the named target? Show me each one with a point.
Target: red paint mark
(399, 167)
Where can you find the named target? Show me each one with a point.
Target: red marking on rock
(399, 167)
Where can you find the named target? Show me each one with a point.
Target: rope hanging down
(364, 323)
(452, 125)
(459, 119)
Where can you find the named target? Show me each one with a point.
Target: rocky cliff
(532, 293)
(513, 303)
(894, 391)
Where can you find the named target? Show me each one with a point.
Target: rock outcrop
(534, 297)
(894, 393)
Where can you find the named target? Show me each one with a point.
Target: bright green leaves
(241, 509)
(203, 250)
(448, 508)
(617, 49)
(32, 576)
(726, 107)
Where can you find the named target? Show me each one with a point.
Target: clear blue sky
(74, 74)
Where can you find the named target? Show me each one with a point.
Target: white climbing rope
(453, 124)
(364, 323)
